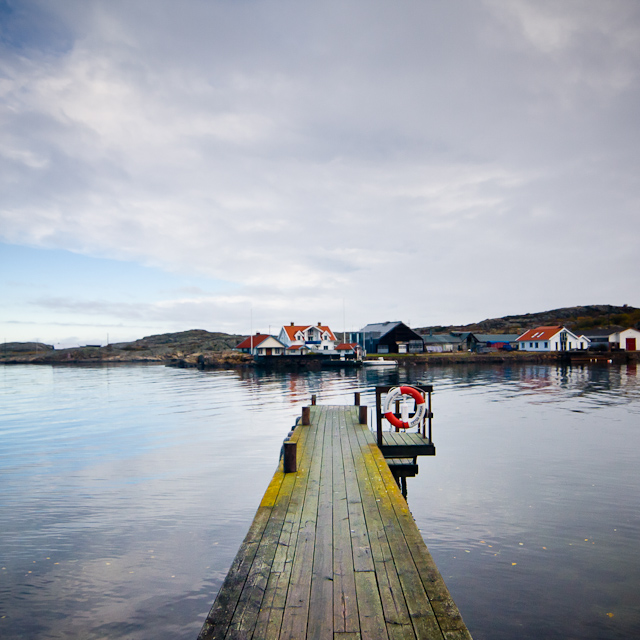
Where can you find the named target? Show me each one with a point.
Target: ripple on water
(126, 492)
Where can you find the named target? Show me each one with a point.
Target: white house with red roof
(302, 338)
(554, 338)
(349, 349)
(262, 345)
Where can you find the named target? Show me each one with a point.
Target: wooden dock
(333, 551)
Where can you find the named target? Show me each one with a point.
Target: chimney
(292, 324)
(319, 324)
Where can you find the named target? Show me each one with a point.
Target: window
(546, 345)
(536, 345)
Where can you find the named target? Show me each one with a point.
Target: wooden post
(313, 399)
(429, 413)
(306, 415)
(379, 415)
(289, 460)
(397, 413)
(357, 399)
(363, 414)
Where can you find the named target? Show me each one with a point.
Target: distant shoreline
(232, 359)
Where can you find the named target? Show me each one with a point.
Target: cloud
(310, 154)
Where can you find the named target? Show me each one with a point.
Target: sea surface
(125, 492)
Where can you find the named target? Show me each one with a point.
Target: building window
(546, 345)
(536, 345)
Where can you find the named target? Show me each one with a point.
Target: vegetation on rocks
(164, 348)
(574, 318)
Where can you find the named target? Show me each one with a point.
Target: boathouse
(628, 340)
(388, 337)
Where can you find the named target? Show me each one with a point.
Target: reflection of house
(629, 339)
(388, 337)
(307, 338)
(261, 345)
(554, 338)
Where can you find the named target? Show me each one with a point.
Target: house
(600, 339)
(297, 350)
(349, 350)
(317, 337)
(442, 343)
(496, 341)
(629, 339)
(261, 345)
(468, 340)
(388, 337)
(555, 338)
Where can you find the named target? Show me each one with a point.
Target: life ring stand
(395, 394)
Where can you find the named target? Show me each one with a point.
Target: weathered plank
(345, 601)
(333, 552)
(320, 625)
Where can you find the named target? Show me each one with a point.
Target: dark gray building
(388, 337)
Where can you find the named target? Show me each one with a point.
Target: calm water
(126, 491)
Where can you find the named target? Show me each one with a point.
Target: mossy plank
(333, 552)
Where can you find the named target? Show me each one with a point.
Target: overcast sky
(238, 164)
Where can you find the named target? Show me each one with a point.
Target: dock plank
(345, 601)
(421, 612)
(296, 611)
(333, 551)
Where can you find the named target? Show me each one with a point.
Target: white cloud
(310, 156)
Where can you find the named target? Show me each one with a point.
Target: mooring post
(289, 460)
(306, 415)
(357, 398)
(362, 414)
(429, 414)
(313, 399)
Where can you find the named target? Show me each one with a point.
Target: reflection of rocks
(186, 346)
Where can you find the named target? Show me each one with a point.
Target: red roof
(346, 346)
(539, 333)
(292, 329)
(254, 341)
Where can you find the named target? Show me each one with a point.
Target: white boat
(380, 362)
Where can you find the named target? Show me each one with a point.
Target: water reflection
(126, 491)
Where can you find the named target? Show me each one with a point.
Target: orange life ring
(394, 395)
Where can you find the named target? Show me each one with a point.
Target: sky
(239, 165)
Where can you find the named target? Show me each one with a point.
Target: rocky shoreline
(206, 350)
(228, 359)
